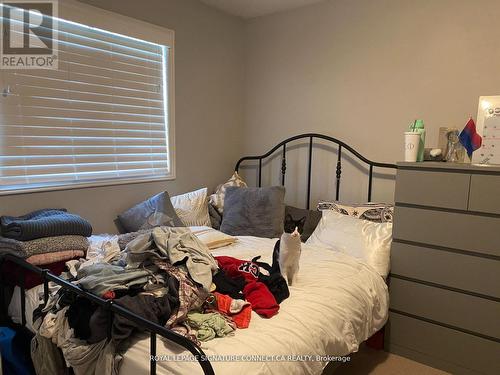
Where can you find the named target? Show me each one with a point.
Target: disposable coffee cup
(412, 142)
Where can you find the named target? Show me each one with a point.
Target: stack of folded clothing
(46, 238)
(44, 223)
(46, 250)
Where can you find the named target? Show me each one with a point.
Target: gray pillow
(312, 219)
(215, 216)
(153, 212)
(252, 211)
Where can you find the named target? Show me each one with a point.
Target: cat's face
(291, 224)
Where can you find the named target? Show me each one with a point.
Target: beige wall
(209, 89)
(361, 70)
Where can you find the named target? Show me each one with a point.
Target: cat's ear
(303, 220)
(288, 218)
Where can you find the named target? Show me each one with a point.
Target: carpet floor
(377, 362)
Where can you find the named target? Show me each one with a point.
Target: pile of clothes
(166, 275)
(47, 238)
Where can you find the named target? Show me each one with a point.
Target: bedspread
(337, 303)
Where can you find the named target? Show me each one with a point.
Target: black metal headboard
(311, 136)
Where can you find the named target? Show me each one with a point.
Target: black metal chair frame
(112, 308)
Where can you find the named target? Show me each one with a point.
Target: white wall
(209, 111)
(361, 70)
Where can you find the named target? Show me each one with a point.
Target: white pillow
(212, 237)
(362, 239)
(217, 199)
(192, 207)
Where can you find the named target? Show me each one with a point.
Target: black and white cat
(291, 224)
(289, 257)
(287, 250)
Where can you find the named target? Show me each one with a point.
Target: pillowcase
(217, 199)
(254, 211)
(376, 212)
(153, 212)
(212, 238)
(362, 239)
(215, 217)
(312, 219)
(192, 207)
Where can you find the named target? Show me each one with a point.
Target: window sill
(85, 185)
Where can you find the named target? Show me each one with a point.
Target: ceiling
(256, 8)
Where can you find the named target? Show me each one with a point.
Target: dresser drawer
(484, 194)
(436, 189)
(464, 311)
(473, 233)
(444, 345)
(470, 273)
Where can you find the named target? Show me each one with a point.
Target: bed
(355, 307)
(337, 303)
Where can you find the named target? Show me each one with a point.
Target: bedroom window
(104, 117)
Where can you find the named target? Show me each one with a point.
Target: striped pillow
(217, 199)
(192, 208)
(376, 212)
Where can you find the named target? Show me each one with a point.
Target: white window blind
(100, 118)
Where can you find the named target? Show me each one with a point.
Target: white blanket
(337, 303)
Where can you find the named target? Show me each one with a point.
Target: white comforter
(337, 303)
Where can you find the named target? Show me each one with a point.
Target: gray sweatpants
(46, 356)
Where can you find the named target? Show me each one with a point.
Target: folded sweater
(49, 258)
(26, 249)
(44, 223)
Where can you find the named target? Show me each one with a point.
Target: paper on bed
(212, 237)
